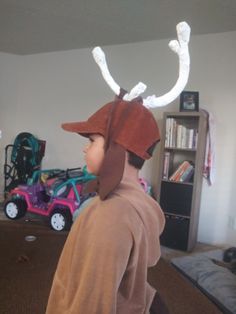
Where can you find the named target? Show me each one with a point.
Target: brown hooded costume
(103, 266)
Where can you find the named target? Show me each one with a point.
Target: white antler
(181, 48)
(100, 58)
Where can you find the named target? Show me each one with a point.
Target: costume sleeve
(100, 257)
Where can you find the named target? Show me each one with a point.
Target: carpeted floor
(27, 268)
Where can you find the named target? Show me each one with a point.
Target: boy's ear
(112, 169)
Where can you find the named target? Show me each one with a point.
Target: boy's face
(94, 153)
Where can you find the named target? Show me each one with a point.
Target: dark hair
(137, 161)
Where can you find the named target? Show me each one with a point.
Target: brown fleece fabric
(104, 263)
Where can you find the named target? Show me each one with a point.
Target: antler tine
(100, 58)
(135, 92)
(181, 48)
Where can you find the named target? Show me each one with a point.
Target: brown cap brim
(96, 124)
(83, 128)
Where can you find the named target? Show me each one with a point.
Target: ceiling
(36, 26)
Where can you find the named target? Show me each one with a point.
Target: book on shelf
(170, 139)
(187, 175)
(179, 136)
(181, 171)
(166, 165)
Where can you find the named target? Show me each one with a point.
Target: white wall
(39, 92)
(9, 87)
(214, 69)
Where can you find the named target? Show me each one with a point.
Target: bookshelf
(181, 167)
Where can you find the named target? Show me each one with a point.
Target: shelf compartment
(173, 158)
(176, 198)
(176, 232)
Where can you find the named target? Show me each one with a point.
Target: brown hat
(126, 126)
(127, 123)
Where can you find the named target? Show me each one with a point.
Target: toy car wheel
(60, 220)
(15, 209)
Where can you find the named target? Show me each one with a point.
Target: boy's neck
(130, 171)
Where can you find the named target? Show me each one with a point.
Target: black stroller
(22, 159)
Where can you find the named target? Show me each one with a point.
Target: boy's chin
(92, 171)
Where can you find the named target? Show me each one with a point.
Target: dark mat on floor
(179, 293)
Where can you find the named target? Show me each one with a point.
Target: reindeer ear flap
(112, 170)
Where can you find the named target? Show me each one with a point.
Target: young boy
(104, 263)
(103, 266)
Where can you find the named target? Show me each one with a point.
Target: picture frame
(189, 101)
